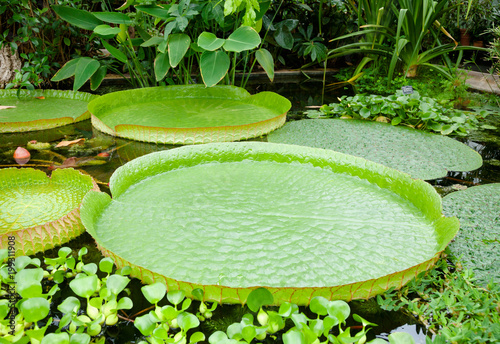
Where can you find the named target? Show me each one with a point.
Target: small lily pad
(477, 244)
(42, 109)
(422, 155)
(40, 212)
(188, 114)
(231, 217)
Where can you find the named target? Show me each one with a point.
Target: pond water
(302, 95)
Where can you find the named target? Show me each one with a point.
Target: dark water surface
(302, 95)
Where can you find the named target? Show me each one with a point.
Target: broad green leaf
(113, 17)
(82, 19)
(243, 38)
(35, 309)
(266, 61)
(29, 282)
(178, 45)
(85, 68)
(432, 155)
(155, 40)
(209, 41)
(67, 71)
(213, 66)
(161, 66)
(84, 286)
(259, 297)
(319, 198)
(97, 78)
(116, 53)
(106, 30)
(154, 10)
(154, 292)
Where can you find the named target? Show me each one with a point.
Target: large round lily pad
(303, 222)
(423, 155)
(41, 212)
(188, 114)
(41, 109)
(478, 243)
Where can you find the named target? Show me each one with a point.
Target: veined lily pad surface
(41, 109)
(41, 212)
(477, 245)
(303, 222)
(188, 114)
(420, 154)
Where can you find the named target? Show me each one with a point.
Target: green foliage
(449, 303)
(411, 110)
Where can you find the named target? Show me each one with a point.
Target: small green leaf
(401, 338)
(35, 309)
(396, 120)
(125, 303)
(187, 321)
(319, 305)
(29, 282)
(266, 61)
(69, 305)
(116, 283)
(84, 286)
(259, 297)
(106, 30)
(161, 66)
(294, 336)
(56, 338)
(175, 297)
(145, 324)
(197, 337)
(154, 292)
(90, 268)
(79, 338)
(198, 294)
(106, 265)
(339, 309)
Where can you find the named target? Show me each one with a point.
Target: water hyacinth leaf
(316, 205)
(213, 67)
(189, 114)
(197, 294)
(35, 309)
(266, 61)
(176, 296)
(80, 338)
(476, 244)
(90, 268)
(401, 338)
(85, 286)
(106, 265)
(145, 324)
(82, 19)
(154, 292)
(294, 336)
(113, 17)
(85, 68)
(161, 66)
(243, 38)
(422, 155)
(178, 45)
(116, 283)
(43, 109)
(69, 305)
(339, 309)
(125, 303)
(197, 337)
(28, 282)
(187, 321)
(56, 338)
(258, 298)
(209, 41)
(319, 305)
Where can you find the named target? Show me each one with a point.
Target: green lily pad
(188, 114)
(40, 212)
(42, 109)
(420, 154)
(300, 221)
(478, 243)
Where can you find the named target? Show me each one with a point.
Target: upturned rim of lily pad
(420, 194)
(275, 105)
(58, 231)
(58, 119)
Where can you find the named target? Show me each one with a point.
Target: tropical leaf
(28, 210)
(161, 66)
(373, 227)
(57, 108)
(116, 53)
(85, 68)
(82, 19)
(422, 155)
(209, 41)
(266, 61)
(113, 17)
(178, 45)
(67, 71)
(243, 38)
(213, 67)
(189, 114)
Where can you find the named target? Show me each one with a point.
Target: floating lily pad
(303, 222)
(422, 155)
(188, 114)
(478, 243)
(40, 212)
(42, 109)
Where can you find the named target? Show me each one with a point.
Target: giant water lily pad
(422, 155)
(188, 114)
(303, 222)
(40, 212)
(41, 109)
(478, 243)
